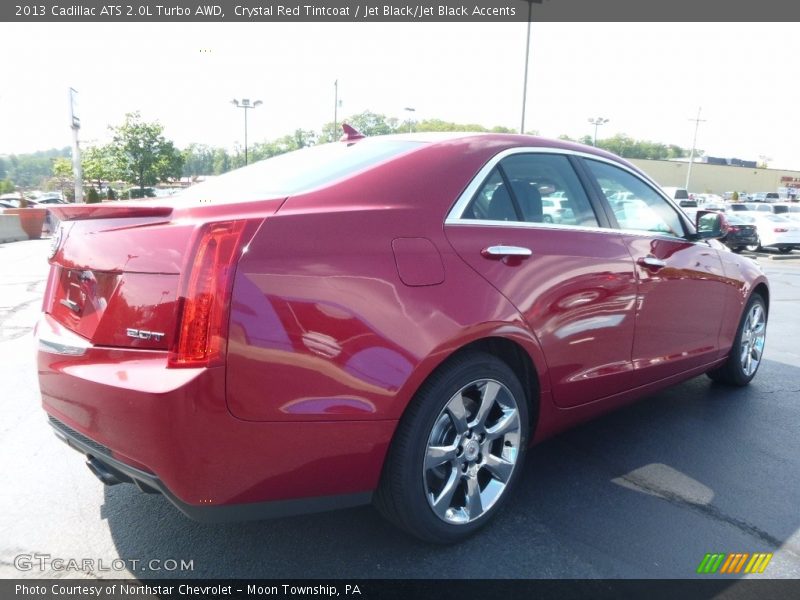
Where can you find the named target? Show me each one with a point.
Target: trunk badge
(141, 334)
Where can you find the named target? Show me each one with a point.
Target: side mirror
(710, 225)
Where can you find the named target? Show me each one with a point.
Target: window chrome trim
(455, 216)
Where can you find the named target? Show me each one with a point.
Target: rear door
(682, 290)
(569, 274)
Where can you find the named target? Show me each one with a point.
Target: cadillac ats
(393, 320)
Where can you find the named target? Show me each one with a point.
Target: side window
(492, 202)
(534, 188)
(636, 205)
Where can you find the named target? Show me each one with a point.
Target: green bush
(92, 197)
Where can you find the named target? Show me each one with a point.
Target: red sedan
(391, 320)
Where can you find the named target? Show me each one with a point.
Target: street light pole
(527, 54)
(409, 110)
(75, 124)
(697, 122)
(335, 107)
(245, 104)
(597, 122)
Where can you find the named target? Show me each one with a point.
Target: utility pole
(697, 120)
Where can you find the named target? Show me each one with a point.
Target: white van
(680, 196)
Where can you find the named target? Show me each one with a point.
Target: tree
(98, 164)
(62, 173)
(367, 122)
(141, 154)
(198, 159)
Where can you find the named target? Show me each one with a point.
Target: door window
(533, 188)
(636, 205)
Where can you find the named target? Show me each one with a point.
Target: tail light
(201, 335)
(733, 229)
(780, 230)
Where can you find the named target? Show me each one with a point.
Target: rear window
(773, 196)
(780, 209)
(298, 171)
(682, 195)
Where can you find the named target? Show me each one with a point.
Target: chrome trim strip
(61, 349)
(530, 225)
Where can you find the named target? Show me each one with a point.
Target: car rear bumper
(147, 482)
(170, 430)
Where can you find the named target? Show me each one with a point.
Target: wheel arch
(521, 353)
(762, 290)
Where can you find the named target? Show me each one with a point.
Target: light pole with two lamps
(409, 110)
(245, 104)
(597, 122)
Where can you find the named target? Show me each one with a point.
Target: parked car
(764, 197)
(774, 231)
(740, 234)
(556, 209)
(321, 330)
(737, 207)
(51, 200)
(776, 209)
(680, 196)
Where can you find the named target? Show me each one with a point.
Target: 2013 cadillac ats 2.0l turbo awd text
(390, 320)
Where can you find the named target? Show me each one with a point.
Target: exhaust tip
(101, 471)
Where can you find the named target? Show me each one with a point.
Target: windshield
(297, 171)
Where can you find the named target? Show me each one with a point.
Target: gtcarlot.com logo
(45, 562)
(733, 563)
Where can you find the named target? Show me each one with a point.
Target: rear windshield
(681, 195)
(780, 209)
(773, 195)
(297, 171)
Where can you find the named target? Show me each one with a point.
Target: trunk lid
(116, 268)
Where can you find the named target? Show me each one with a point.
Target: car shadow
(644, 492)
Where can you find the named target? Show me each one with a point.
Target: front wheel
(748, 346)
(458, 450)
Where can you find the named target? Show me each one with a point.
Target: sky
(648, 79)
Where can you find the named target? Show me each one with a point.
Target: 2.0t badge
(141, 334)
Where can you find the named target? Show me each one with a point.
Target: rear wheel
(754, 247)
(458, 450)
(748, 346)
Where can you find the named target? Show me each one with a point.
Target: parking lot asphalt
(644, 492)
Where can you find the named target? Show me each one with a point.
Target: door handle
(651, 262)
(504, 251)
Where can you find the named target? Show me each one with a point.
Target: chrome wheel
(754, 332)
(472, 451)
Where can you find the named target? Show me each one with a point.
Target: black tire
(736, 370)
(409, 486)
(753, 248)
(785, 249)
